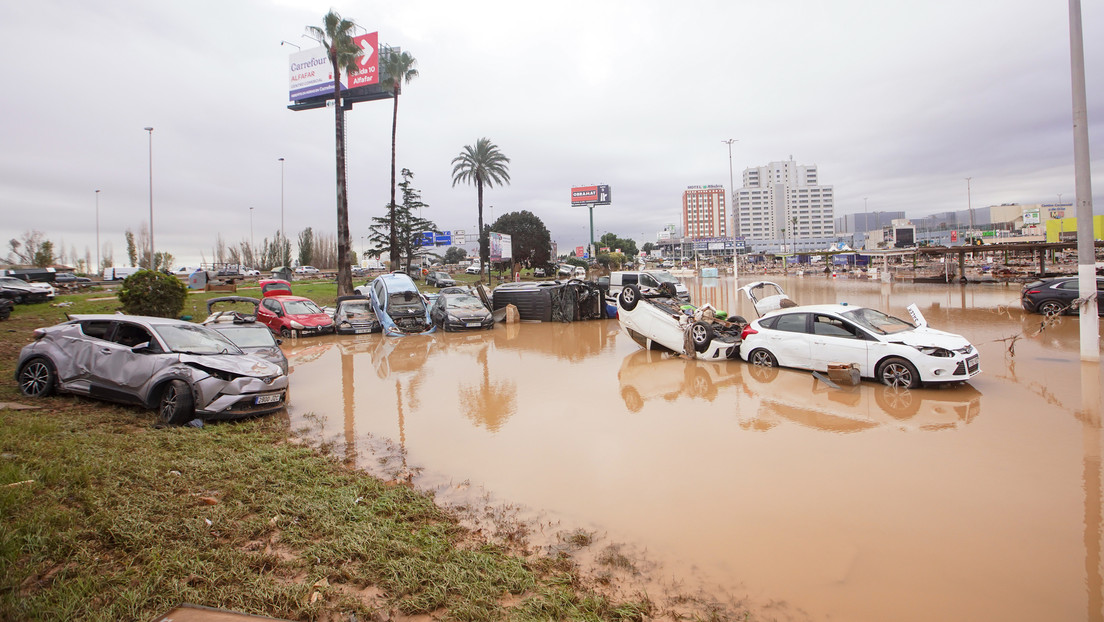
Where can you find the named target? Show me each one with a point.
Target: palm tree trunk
(344, 274)
(484, 252)
(394, 234)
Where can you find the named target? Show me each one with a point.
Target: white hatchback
(886, 348)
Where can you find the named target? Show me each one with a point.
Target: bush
(153, 293)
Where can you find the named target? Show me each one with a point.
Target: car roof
(838, 309)
(397, 282)
(142, 319)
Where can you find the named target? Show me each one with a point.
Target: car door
(790, 340)
(835, 340)
(268, 314)
(120, 373)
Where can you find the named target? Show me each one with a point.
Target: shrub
(153, 293)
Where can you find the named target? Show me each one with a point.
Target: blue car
(398, 305)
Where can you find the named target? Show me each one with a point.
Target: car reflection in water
(768, 396)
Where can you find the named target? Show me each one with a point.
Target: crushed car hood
(929, 337)
(242, 365)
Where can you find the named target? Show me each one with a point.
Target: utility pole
(1086, 251)
(735, 215)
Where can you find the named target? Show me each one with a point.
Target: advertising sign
(590, 195)
(311, 74)
(1031, 217)
(579, 250)
(501, 247)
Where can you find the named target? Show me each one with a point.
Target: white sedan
(886, 348)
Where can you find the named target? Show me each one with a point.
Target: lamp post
(970, 205)
(735, 215)
(251, 234)
(150, 130)
(283, 235)
(99, 268)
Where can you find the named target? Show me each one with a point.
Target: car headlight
(453, 318)
(296, 325)
(935, 351)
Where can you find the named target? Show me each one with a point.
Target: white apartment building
(784, 195)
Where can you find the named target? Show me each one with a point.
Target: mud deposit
(978, 502)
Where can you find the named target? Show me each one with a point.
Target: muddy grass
(108, 516)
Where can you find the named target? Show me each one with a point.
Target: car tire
(37, 377)
(897, 372)
(285, 332)
(762, 358)
(629, 297)
(177, 405)
(1051, 307)
(702, 335)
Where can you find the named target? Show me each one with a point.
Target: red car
(288, 315)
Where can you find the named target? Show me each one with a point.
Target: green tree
(397, 67)
(529, 238)
(647, 248)
(626, 246)
(337, 37)
(132, 250)
(44, 255)
(408, 229)
(455, 254)
(482, 165)
(153, 293)
(306, 247)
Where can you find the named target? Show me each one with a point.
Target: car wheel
(1051, 307)
(762, 358)
(177, 404)
(629, 297)
(285, 332)
(37, 377)
(897, 372)
(701, 334)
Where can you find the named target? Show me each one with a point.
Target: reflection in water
(838, 501)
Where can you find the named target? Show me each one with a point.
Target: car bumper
(957, 369)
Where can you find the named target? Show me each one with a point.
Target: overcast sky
(895, 102)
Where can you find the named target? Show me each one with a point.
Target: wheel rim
(1051, 308)
(627, 295)
(762, 359)
(168, 403)
(36, 378)
(698, 334)
(897, 375)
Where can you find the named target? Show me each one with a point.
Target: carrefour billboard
(590, 195)
(311, 74)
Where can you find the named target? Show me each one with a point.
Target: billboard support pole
(592, 247)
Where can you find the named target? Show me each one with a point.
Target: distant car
(565, 270)
(888, 349)
(288, 315)
(580, 272)
(538, 272)
(250, 272)
(353, 315)
(460, 311)
(472, 269)
(23, 292)
(398, 304)
(440, 279)
(1055, 296)
(182, 369)
(69, 279)
(306, 270)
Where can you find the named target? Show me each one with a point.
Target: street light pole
(251, 234)
(970, 204)
(283, 235)
(99, 268)
(151, 247)
(735, 215)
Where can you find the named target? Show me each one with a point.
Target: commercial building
(703, 212)
(784, 200)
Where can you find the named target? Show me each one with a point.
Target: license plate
(361, 331)
(972, 364)
(473, 324)
(268, 399)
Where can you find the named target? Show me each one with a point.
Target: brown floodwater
(976, 502)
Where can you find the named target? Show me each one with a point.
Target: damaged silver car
(183, 370)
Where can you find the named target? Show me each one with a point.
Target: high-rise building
(784, 199)
(703, 212)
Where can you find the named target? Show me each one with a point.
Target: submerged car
(398, 304)
(460, 311)
(242, 328)
(288, 315)
(183, 370)
(883, 347)
(663, 321)
(353, 315)
(1055, 296)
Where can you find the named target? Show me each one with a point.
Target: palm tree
(398, 67)
(337, 37)
(482, 165)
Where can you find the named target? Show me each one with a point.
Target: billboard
(1031, 217)
(590, 195)
(311, 74)
(501, 247)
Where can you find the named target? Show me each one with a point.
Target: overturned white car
(666, 322)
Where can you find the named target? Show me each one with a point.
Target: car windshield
(194, 339)
(465, 302)
(877, 321)
(248, 336)
(404, 302)
(301, 307)
(354, 309)
(664, 277)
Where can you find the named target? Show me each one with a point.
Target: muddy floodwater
(976, 502)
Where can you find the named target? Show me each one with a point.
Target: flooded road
(978, 502)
